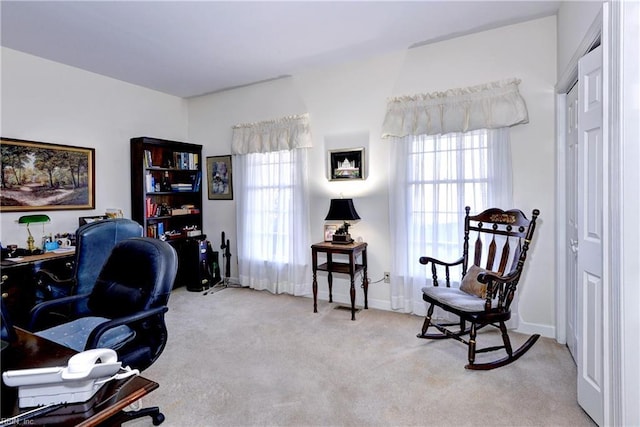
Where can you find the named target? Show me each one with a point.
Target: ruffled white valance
(488, 106)
(281, 134)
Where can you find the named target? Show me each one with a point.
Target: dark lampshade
(342, 210)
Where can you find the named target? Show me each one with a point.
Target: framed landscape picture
(219, 178)
(40, 176)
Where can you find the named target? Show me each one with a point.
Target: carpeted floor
(240, 357)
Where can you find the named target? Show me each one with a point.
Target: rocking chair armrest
(488, 277)
(426, 260)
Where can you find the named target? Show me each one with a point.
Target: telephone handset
(85, 373)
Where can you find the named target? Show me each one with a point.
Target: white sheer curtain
(449, 150)
(273, 216)
(438, 176)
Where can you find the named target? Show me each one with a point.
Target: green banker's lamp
(33, 219)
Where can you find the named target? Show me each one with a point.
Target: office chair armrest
(43, 308)
(49, 286)
(96, 334)
(46, 276)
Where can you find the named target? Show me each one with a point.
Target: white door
(571, 139)
(590, 187)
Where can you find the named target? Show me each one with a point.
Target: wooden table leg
(365, 280)
(365, 286)
(352, 292)
(315, 292)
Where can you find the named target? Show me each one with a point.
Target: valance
(488, 106)
(281, 134)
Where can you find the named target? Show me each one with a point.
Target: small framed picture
(219, 178)
(346, 164)
(329, 231)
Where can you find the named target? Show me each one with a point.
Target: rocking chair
(484, 295)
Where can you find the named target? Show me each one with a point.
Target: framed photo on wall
(38, 176)
(219, 178)
(346, 164)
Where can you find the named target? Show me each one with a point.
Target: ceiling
(190, 48)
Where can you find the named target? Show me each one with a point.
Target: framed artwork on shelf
(346, 164)
(38, 176)
(219, 178)
(329, 231)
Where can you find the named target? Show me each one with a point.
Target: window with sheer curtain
(273, 217)
(450, 150)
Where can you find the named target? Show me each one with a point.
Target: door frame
(621, 252)
(566, 81)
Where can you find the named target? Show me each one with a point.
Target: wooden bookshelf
(166, 188)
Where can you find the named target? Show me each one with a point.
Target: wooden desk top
(8, 262)
(31, 351)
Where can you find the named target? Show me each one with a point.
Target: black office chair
(126, 307)
(94, 242)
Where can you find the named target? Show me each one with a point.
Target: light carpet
(240, 357)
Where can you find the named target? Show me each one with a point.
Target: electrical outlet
(387, 278)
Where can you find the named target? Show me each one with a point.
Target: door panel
(590, 186)
(571, 140)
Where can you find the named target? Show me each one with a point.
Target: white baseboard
(548, 331)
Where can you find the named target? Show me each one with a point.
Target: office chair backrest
(137, 276)
(94, 244)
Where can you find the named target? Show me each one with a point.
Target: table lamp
(342, 210)
(33, 219)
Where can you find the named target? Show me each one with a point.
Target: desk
(19, 285)
(352, 250)
(31, 351)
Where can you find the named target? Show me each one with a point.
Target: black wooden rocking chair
(485, 294)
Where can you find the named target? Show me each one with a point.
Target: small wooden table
(30, 351)
(351, 268)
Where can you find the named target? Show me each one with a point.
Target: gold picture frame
(39, 176)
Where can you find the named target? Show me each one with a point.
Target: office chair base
(157, 417)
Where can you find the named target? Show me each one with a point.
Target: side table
(352, 250)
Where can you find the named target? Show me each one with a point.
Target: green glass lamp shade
(32, 219)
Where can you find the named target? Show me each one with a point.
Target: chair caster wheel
(158, 419)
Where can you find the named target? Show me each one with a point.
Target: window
(441, 174)
(446, 173)
(273, 221)
(269, 197)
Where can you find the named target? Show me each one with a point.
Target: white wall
(349, 101)
(574, 19)
(49, 102)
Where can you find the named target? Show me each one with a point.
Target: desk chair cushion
(75, 334)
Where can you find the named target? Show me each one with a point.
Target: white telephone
(77, 382)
